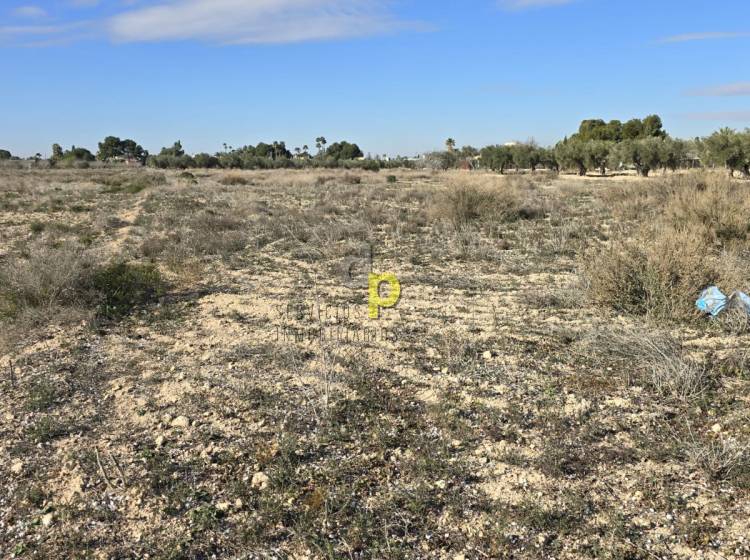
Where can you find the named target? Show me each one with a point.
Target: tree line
(642, 145)
(599, 146)
(262, 156)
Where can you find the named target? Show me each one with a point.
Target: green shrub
(132, 184)
(392, 179)
(123, 286)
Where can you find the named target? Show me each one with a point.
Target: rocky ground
(185, 405)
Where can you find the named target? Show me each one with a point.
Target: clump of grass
(391, 179)
(233, 180)
(132, 184)
(720, 458)
(351, 179)
(662, 364)
(45, 277)
(470, 203)
(124, 286)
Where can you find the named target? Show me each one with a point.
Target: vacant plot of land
(188, 369)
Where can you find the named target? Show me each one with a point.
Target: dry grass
(46, 277)
(167, 415)
(509, 201)
(663, 365)
(696, 235)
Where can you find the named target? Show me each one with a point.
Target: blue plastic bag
(713, 301)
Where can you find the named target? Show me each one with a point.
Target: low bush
(46, 277)
(697, 238)
(62, 277)
(509, 202)
(662, 365)
(233, 180)
(123, 286)
(132, 184)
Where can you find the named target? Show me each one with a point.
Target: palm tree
(320, 143)
(450, 143)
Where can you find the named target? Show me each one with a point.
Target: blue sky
(395, 76)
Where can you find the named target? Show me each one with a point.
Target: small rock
(716, 428)
(47, 519)
(159, 441)
(260, 481)
(487, 355)
(223, 506)
(441, 484)
(16, 467)
(181, 422)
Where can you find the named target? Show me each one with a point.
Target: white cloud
(728, 90)
(706, 36)
(526, 4)
(29, 12)
(253, 21)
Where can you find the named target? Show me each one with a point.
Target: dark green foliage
(343, 150)
(112, 148)
(728, 148)
(72, 155)
(497, 158)
(124, 286)
(572, 153)
(206, 161)
(5, 154)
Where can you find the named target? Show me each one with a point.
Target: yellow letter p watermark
(376, 302)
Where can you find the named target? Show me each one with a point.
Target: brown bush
(509, 202)
(45, 277)
(698, 237)
(233, 180)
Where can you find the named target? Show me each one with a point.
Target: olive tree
(597, 153)
(571, 153)
(644, 154)
(497, 158)
(726, 148)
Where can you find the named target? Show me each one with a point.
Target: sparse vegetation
(194, 347)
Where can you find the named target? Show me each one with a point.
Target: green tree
(653, 127)
(497, 158)
(5, 154)
(725, 147)
(175, 151)
(114, 148)
(571, 153)
(343, 150)
(206, 161)
(450, 144)
(57, 152)
(644, 154)
(673, 153)
(597, 153)
(526, 156)
(632, 130)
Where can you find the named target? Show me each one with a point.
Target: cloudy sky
(396, 76)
